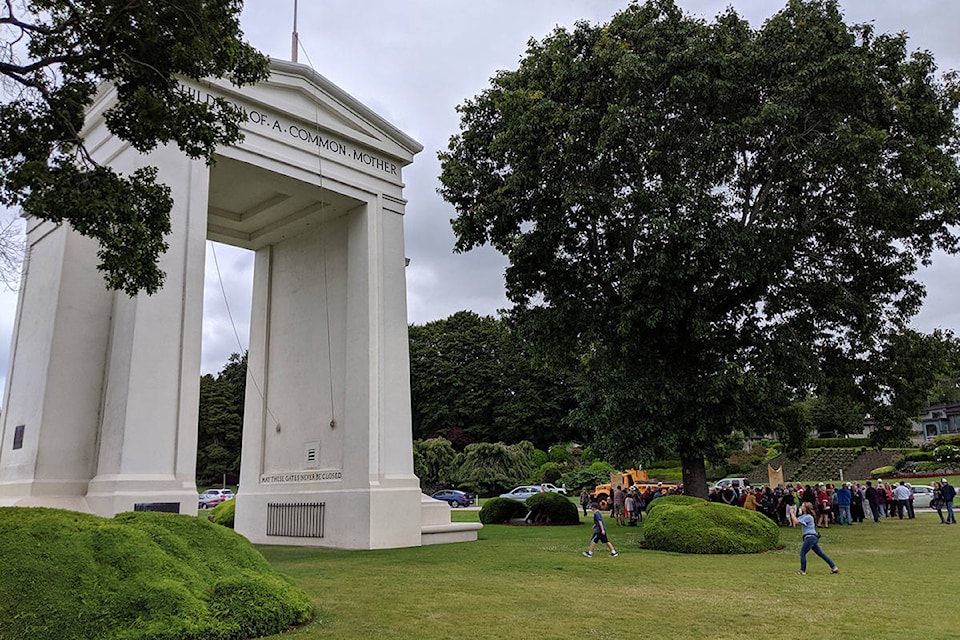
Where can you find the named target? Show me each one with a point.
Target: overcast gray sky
(413, 62)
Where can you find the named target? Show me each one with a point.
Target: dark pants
(910, 513)
(901, 508)
(875, 509)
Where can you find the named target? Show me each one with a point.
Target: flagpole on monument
(295, 40)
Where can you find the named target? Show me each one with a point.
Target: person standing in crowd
(727, 496)
(811, 539)
(618, 500)
(856, 503)
(789, 506)
(599, 533)
(823, 506)
(882, 499)
(936, 501)
(891, 500)
(910, 513)
(808, 495)
(949, 493)
(629, 508)
(901, 494)
(584, 500)
(873, 500)
(843, 497)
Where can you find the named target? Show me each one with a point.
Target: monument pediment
(298, 105)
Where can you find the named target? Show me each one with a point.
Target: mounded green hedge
(143, 576)
(224, 513)
(691, 525)
(882, 471)
(500, 510)
(552, 508)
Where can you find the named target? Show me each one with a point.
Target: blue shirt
(807, 524)
(843, 497)
(598, 522)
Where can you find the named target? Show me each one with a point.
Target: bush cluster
(552, 508)
(223, 513)
(500, 510)
(690, 525)
(149, 576)
(947, 454)
(879, 472)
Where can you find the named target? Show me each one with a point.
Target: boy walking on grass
(599, 533)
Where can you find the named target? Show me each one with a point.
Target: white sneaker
(614, 554)
(588, 554)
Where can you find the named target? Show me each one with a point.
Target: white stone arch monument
(100, 409)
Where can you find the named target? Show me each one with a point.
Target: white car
(922, 495)
(212, 497)
(523, 492)
(546, 486)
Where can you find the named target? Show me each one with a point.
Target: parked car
(212, 497)
(454, 498)
(523, 492)
(546, 486)
(922, 495)
(736, 483)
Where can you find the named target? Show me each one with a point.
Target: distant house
(940, 420)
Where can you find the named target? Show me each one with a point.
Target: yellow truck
(602, 493)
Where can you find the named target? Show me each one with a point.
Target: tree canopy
(714, 220)
(55, 54)
(220, 421)
(473, 379)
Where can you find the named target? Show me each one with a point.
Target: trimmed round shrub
(224, 513)
(882, 471)
(691, 525)
(552, 508)
(673, 500)
(500, 510)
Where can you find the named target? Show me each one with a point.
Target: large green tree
(473, 379)
(220, 421)
(715, 220)
(911, 371)
(55, 54)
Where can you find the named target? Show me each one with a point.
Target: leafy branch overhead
(54, 56)
(715, 220)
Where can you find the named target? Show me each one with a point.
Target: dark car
(454, 498)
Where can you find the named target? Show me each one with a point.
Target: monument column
(148, 440)
(327, 413)
(51, 409)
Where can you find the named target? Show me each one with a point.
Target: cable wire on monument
(295, 46)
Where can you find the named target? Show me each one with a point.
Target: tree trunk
(694, 476)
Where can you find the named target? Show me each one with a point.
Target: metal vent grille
(295, 520)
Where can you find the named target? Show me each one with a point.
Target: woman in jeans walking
(811, 539)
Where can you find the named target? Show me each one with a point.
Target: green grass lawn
(897, 580)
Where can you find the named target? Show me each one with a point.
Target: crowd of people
(627, 505)
(843, 504)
